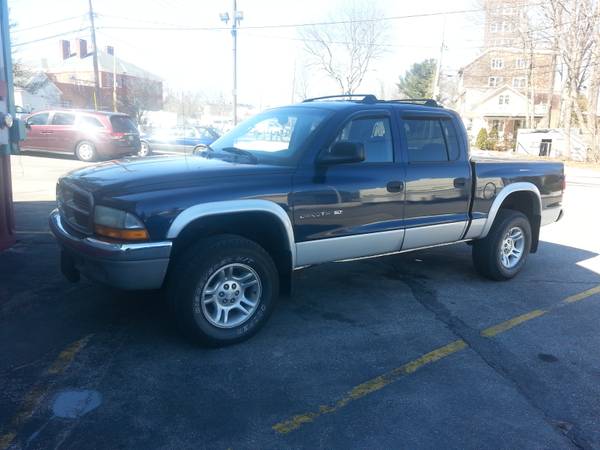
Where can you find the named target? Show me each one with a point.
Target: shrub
(482, 137)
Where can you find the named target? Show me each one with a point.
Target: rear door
(63, 132)
(438, 179)
(37, 131)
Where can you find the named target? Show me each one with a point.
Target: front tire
(222, 290)
(503, 252)
(86, 151)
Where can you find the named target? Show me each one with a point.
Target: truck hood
(161, 172)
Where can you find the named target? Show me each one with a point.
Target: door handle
(46, 132)
(395, 186)
(460, 182)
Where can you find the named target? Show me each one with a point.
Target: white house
(40, 93)
(504, 109)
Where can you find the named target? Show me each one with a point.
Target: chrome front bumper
(122, 265)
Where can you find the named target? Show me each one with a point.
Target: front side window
(274, 136)
(431, 140)
(375, 135)
(38, 119)
(63, 119)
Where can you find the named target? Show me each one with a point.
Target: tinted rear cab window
(431, 140)
(123, 124)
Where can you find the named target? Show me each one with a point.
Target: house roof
(501, 50)
(500, 90)
(106, 61)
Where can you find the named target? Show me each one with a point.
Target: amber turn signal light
(124, 235)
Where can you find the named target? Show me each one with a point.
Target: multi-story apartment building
(509, 85)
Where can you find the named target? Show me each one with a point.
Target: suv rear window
(123, 124)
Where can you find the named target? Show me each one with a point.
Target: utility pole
(438, 68)
(114, 81)
(95, 58)
(235, 22)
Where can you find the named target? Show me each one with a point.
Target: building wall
(513, 69)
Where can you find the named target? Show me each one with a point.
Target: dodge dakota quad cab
(325, 180)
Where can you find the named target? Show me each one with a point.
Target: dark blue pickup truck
(326, 180)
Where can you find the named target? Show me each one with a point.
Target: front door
(438, 181)
(348, 210)
(37, 132)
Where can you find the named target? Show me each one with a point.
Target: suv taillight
(116, 135)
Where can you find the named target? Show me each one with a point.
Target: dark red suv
(90, 135)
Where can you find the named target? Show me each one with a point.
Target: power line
(50, 37)
(301, 25)
(18, 30)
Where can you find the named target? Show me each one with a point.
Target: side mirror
(343, 152)
(27, 125)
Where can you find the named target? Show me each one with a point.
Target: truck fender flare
(195, 212)
(503, 194)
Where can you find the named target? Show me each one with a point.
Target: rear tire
(145, 149)
(86, 151)
(503, 252)
(222, 290)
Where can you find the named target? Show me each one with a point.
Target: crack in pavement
(492, 353)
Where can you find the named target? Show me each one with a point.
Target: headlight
(117, 224)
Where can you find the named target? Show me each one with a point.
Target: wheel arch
(261, 221)
(524, 197)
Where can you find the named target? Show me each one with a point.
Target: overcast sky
(201, 60)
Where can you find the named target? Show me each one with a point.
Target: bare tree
(344, 49)
(139, 96)
(573, 27)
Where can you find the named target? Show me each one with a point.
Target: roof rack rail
(366, 98)
(420, 101)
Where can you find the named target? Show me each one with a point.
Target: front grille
(76, 207)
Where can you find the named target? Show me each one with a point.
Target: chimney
(82, 48)
(110, 50)
(65, 47)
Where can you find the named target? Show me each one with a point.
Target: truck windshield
(273, 137)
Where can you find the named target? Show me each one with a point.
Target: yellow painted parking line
(67, 355)
(384, 380)
(582, 295)
(502, 327)
(40, 390)
(368, 387)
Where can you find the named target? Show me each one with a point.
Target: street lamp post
(236, 19)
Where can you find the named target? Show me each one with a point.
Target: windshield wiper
(239, 151)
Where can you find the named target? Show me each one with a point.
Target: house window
(497, 63)
(506, 26)
(503, 99)
(495, 27)
(521, 63)
(519, 82)
(494, 81)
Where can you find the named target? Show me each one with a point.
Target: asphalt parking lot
(406, 351)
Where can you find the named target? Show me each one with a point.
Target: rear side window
(38, 119)
(63, 119)
(123, 124)
(375, 135)
(90, 122)
(431, 140)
